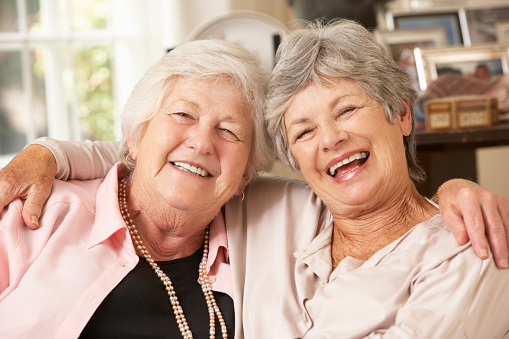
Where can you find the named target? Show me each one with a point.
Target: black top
(138, 307)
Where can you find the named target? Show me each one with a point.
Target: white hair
(202, 59)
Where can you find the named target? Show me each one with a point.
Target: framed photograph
(401, 43)
(485, 62)
(503, 32)
(450, 21)
(482, 23)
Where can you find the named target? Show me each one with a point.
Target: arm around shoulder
(81, 160)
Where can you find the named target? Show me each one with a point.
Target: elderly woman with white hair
(193, 137)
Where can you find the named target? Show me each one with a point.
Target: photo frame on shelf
(482, 23)
(486, 61)
(503, 32)
(450, 21)
(400, 44)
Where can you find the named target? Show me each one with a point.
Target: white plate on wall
(258, 32)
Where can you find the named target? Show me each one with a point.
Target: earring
(130, 162)
(236, 199)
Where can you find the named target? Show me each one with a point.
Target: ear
(243, 184)
(131, 148)
(405, 120)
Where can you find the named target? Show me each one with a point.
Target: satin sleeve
(81, 160)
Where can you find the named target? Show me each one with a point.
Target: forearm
(81, 160)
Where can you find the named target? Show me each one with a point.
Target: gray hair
(341, 48)
(204, 59)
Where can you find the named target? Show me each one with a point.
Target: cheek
(235, 159)
(305, 155)
(305, 152)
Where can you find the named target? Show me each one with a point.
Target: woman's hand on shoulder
(474, 213)
(29, 176)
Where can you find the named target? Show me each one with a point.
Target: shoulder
(74, 191)
(433, 230)
(430, 243)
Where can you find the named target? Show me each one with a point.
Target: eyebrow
(332, 104)
(184, 101)
(297, 122)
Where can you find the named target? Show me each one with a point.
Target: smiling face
(193, 153)
(351, 156)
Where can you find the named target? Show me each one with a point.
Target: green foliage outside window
(93, 85)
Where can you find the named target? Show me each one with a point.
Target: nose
(331, 137)
(201, 138)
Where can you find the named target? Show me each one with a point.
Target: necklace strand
(202, 272)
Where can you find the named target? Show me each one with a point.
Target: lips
(191, 169)
(349, 164)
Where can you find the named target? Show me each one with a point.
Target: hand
(30, 176)
(472, 212)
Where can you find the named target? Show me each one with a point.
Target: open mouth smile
(348, 165)
(191, 169)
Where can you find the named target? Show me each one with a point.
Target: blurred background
(68, 66)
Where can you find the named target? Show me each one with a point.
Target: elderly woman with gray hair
(193, 137)
(282, 258)
(340, 111)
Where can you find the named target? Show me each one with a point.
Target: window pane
(38, 103)
(89, 15)
(93, 85)
(33, 16)
(8, 16)
(12, 104)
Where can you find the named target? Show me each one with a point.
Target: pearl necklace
(202, 271)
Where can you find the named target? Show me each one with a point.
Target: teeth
(195, 170)
(356, 156)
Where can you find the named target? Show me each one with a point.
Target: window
(56, 62)
(68, 66)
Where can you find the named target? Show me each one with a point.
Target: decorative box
(460, 112)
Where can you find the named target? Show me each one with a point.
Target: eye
(302, 134)
(182, 117)
(346, 111)
(229, 134)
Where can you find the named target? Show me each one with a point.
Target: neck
(167, 234)
(364, 235)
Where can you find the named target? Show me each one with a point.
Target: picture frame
(400, 44)
(493, 58)
(453, 22)
(503, 32)
(482, 23)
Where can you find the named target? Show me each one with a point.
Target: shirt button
(212, 280)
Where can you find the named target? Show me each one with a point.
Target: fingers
(497, 231)
(37, 195)
(468, 224)
(475, 227)
(9, 188)
(7, 194)
(474, 213)
(32, 211)
(455, 222)
(29, 176)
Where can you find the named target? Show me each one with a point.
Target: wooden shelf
(491, 136)
(452, 153)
